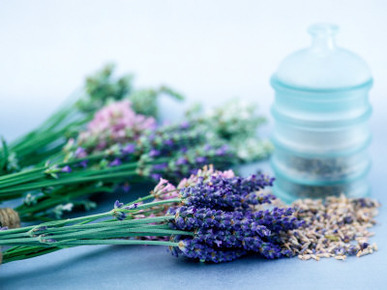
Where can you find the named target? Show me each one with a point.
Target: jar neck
(323, 43)
(323, 37)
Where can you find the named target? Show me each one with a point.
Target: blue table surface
(148, 267)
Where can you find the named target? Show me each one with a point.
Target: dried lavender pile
(337, 227)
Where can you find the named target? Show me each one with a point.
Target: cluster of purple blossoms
(186, 159)
(221, 213)
(170, 151)
(152, 151)
(173, 152)
(234, 193)
(203, 174)
(119, 214)
(225, 216)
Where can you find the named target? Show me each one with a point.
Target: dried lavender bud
(336, 227)
(322, 168)
(119, 214)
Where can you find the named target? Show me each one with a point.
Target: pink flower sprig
(114, 123)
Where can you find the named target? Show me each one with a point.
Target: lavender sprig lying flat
(120, 148)
(77, 178)
(209, 232)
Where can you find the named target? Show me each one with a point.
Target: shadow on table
(56, 266)
(114, 258)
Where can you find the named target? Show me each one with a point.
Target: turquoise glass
(321, 112)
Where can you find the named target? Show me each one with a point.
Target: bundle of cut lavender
(48, 139)
(209, 217)
(212, 216)
(121, 147)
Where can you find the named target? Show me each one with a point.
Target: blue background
(211, 51)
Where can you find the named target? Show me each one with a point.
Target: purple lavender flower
(115, 162)
(66, 169)
(226, 193)
(132, 206)
(160, 166)
(201, 159)
(118, 204)
(190, 248)
(83, 163)
(222, 150)
(364, 245)
(184, 125)
(181, 161)
(278, 219)
(218, 210)
(154, 153)
(128, 149)
(365, 202)
(242, 241)
(235, 231)
(169, 142)
(126, 187)
(155, 176)
(207, 147)
(118, 214)
(80, 152)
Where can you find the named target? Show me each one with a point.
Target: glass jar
(321, 112)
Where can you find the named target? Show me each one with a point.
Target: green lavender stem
(95, 229)
(36, 146)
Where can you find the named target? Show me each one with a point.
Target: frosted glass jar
(321, 114)
(303, 168)
(355, 188)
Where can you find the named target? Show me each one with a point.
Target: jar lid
(323, 65)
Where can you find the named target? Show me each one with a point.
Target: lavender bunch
(118, 148)
(221, 213)
(57, 188)
(225, 229)
(49, 138)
